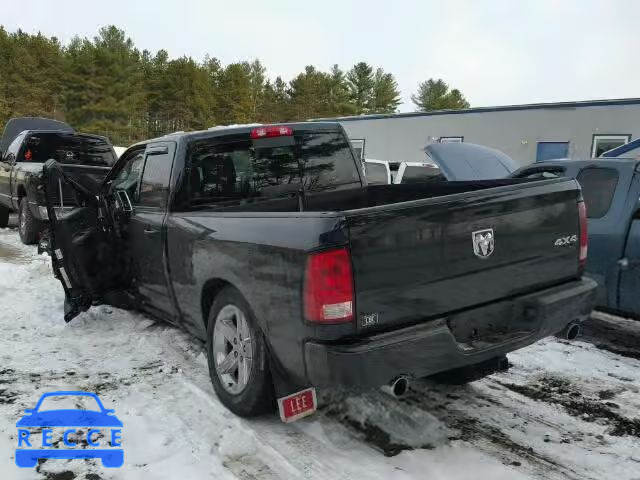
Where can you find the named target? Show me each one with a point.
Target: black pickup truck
(27, 143)
(267, 243)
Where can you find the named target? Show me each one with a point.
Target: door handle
(150, 231)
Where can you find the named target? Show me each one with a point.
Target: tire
(250, 392)
(4, 217)
(28, 226)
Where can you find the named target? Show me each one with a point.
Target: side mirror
(124, 201)
(29, 411)
(109, 411)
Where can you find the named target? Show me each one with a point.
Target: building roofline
(504, 108)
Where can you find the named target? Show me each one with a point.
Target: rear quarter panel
(263, 256)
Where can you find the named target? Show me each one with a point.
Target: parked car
(611, 190)
(377, 172)
(417, 172)
(266, 243)
(27, 143)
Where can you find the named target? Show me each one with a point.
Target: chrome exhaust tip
(396, 387)
(571, 331)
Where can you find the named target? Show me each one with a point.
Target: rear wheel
(237, 356)
(28, 226)
(4, 217)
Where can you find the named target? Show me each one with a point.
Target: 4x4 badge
(483, 242)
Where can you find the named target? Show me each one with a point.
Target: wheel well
(210, 291)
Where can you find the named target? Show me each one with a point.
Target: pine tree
(310, 94)
(106, 90)
(235, 102)
(257, 80)
(275, 106)
(435, 95)
(339, 94)
(386, 96)
(361, 84)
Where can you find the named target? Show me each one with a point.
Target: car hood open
(468, 162)
(16, 125)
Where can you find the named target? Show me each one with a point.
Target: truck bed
(411, 245)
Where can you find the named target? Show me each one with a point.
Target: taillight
(271, 131)
(328, 287)
(582, 210)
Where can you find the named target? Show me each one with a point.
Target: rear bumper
(432, 347)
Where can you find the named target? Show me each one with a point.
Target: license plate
(297, 405)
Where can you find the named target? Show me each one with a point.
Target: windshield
(69, 402)
(270, 167)
(67, 148)
(377, 174)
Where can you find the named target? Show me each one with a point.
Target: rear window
(376, 174)
(67, 149)
(224, 171)
(598, 187)
(418, 174)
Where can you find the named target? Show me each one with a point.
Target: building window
(552, 151)
(358, 147)
(604, 143)
(451, 139)
(598, 187)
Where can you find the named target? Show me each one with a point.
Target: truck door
(146, 232)
(605, 189)
(7, 163)
(629, 264)
(85, 251)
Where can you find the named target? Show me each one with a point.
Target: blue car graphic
(111, 457)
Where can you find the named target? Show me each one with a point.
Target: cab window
(244, 169)
(598, 188)
(154, 187)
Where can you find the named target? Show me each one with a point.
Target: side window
(598, 187)
(13, 149)
(603, 143)
(358, 147)
(154, 187)
(220, 172)
(128, 177)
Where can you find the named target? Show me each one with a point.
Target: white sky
(496, 51)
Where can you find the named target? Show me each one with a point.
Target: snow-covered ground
(563, 410)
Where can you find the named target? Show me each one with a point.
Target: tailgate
(422, 259)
